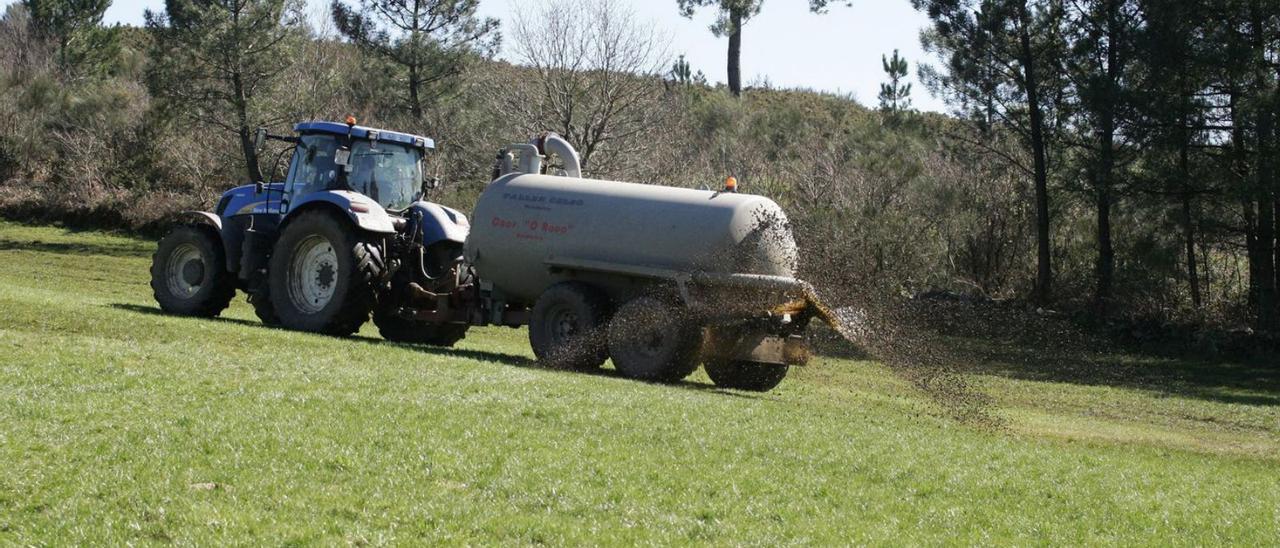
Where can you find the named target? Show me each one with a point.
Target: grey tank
(523, 224)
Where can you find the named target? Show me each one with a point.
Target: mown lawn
(122, 425)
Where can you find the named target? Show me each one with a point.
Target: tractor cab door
(314, 168)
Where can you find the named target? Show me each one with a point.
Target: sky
(786, 44)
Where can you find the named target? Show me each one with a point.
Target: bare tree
(597, 77)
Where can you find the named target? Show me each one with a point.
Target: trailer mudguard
(440, 223)
(362, 211)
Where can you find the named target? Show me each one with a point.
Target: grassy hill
(122, 425)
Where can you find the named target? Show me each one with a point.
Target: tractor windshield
(388, 173)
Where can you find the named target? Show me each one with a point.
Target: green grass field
(122, 425)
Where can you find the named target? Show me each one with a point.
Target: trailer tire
(396, 329)
(322, 275)
(568, 327)
(746, 375)
(189, 273)
(654, 341)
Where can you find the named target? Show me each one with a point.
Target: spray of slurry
(916, 355)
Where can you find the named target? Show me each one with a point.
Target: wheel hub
(325, 275)
(565, 325)
(313, 274)
(184, 271)
(193, 272)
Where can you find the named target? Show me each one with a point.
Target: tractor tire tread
(359, 299)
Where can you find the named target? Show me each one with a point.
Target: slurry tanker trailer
(657, 279)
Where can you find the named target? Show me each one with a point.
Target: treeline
(1108, 156)
(1146, 126)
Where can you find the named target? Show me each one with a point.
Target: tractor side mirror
(260, 139)
(429, 182)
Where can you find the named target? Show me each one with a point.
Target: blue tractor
(347, 235)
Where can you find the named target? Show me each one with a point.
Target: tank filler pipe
(530, 159)
(555, 144)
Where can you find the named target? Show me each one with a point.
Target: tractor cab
(387, 167)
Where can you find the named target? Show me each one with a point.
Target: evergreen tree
(1098, 62)
(1001, 59)
(732, 15)
(74, 25)
(682, 73)
(1170, 116)
(895, 95)
(215, 60)
(429, 39)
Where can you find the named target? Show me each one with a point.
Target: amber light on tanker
(731, 184)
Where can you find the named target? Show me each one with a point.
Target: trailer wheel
(746, 375)
(189, 273)
(567, 327)
(322, 274)
(396, 329)
(652, 340)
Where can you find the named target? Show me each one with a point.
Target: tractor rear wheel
(745, 375)
(189, 273)
(654, 341)
(397, 329)
(322, 274)
(567, 327)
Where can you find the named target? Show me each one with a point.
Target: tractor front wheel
(189, 273)
(322, 275)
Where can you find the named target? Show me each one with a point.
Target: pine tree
(1000, 66)
(733, 14)
(895, 95)
(682, 73)
(1098, 65)
(71, 24)
(429, 39)
(215, 60)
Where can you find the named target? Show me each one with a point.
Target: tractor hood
(440, 223)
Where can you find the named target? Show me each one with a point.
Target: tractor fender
(201, 218)
(362, 211)
(440, 223)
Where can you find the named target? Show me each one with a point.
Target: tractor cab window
(314, 167)
(390, 174)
